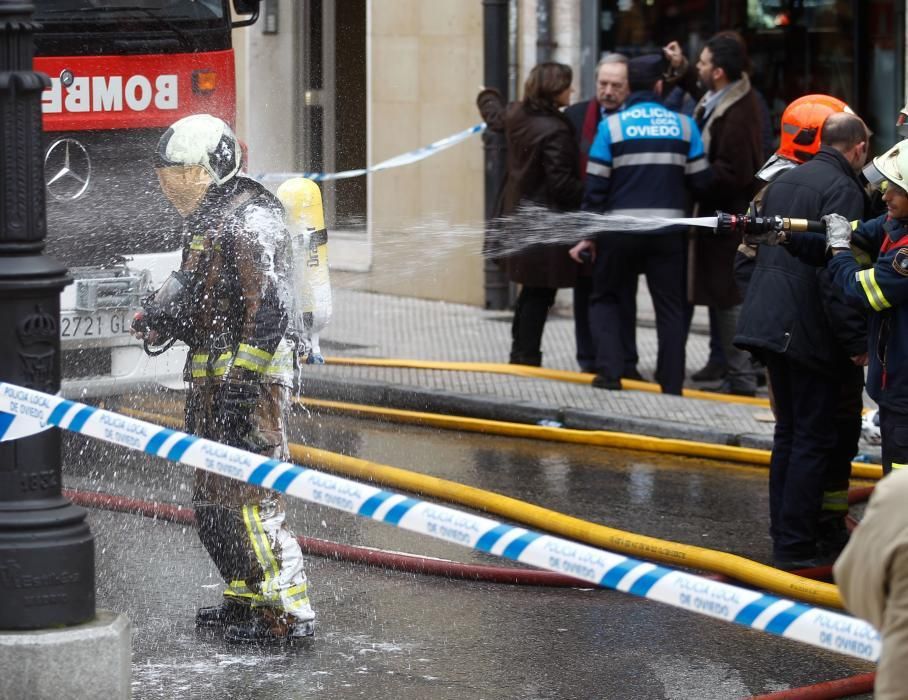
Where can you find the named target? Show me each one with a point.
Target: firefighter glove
(838, 232)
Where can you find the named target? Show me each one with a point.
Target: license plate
(100, 324)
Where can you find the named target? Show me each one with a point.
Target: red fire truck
(121, 71)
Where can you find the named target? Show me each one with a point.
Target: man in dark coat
(611, 92)
(814, 345)
(728, 115)
(642, 163)
(542, 170)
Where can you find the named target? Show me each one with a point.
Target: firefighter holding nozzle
(231, 303)
(869, 262)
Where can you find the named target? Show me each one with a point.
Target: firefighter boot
(270, 627)
(227, 613)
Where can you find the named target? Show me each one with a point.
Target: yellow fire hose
(538, 373)
(600, 438)
(650, 548)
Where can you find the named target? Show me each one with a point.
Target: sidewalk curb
(450, 403)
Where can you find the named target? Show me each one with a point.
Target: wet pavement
(390, 634)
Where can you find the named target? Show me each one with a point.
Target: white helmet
(870, 427)
(891, 166)
(201, 139)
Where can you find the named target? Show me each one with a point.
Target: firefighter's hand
(577, 251)
(838, 232)
(140, 329)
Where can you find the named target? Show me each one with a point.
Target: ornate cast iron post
(46, 548)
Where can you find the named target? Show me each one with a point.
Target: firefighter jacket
(880, 286)
(644, 161)
(237, 248)
(822, 329)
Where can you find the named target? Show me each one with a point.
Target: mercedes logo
(67, 169)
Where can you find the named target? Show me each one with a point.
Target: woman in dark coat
(543, 169)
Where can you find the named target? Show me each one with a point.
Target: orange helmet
(802, 122)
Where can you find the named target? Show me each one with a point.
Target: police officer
(642, 162)
(230, 303)
(879, 284)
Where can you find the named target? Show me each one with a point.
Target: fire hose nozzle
(742, 223)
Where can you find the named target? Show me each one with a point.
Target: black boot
(228, 612)
(269, 629)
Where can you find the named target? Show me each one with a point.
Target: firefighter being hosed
(231, 302)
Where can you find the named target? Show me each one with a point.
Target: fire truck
(121, 72)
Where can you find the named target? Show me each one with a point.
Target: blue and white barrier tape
(395, 162)
(822, 628)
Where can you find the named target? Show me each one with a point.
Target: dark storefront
(853, 49)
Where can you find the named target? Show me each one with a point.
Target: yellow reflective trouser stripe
(896, 465)
(297, 596)
(835, 501)
(252, 358)
(872, 290)
(239, 589)
(221, 365)
(260, 544)
(197, 242)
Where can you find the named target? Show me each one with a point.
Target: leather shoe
(634, 374)
(727, 388)
(600, 381)
(710, 372)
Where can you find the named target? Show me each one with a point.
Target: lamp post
(47, 570)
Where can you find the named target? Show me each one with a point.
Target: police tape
(395, 162)
(785, 618)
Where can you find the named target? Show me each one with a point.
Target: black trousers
(583, 333)
(817, 429)
(894, 433)
(620, 257)
(530, 313)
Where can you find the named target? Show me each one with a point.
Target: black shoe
(727, 388)
(710, 372)
(600, 381)
(832, 536)
(632, 373)
(530, 359)
(226, 613)
(260, 630)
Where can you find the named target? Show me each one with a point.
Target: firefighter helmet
(802, 122)
(890, 167)
(201, 139)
